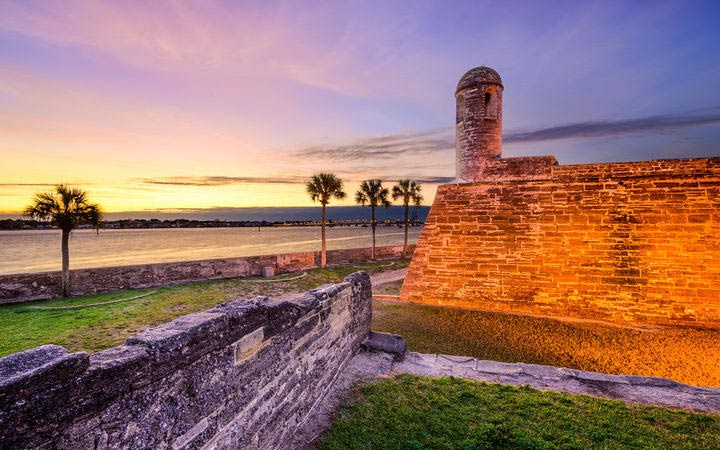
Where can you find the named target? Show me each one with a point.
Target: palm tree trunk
(406, 232)
(372, 223)
(65, 284)
(323, 257)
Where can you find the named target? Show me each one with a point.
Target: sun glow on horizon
(182, 198)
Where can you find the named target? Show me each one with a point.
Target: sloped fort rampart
(246, 374)
(635, 242)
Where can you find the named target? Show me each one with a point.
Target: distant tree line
(22, 224)
(122, 224)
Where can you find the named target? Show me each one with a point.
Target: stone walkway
(388, 276)
(628, 388)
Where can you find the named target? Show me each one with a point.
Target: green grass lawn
(391, 288)
(96, 328)
(413, 413)
(682, 354)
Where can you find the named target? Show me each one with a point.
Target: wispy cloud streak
(388, 147)
(227, 180)
(384, 147)
(422, 179)
(220, 180)
(613, 128)
(26, 184)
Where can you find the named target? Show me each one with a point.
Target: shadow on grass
(687, 355)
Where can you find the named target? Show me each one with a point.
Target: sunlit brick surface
(625, 242)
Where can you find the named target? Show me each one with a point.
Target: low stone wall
(245, 374)
(37, 286)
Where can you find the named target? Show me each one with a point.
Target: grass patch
(97, 328)
(413, 413)
(391, 288)
(682, 354)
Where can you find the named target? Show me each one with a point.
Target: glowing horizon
(225, 104)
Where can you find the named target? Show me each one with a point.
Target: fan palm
(409, 192)
(64, 207)
(321, 188)
(373, 193)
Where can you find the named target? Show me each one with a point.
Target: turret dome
(478, 76)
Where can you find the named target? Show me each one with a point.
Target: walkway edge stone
(627, 388)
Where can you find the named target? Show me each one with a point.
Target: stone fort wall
(245, 374)
(635, 242)
(24, 287)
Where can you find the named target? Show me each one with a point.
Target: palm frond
(408, 191)
(324, 186)
(64, 207)
(373, 193)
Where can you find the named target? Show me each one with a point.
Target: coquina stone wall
(245, 374)
(34, 286)
(634, 242)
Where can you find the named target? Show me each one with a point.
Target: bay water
(39, 250)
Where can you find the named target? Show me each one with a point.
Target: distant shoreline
(144, 224)
(272, 214)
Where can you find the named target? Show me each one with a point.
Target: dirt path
(377, 279)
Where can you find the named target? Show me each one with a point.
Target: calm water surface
(39, 250)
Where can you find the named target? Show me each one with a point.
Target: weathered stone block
(248, 345)
(386, 342)
(25, 373)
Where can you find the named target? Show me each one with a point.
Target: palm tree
(64, 207)
(322, 187)
(408, 191)
(374, 194)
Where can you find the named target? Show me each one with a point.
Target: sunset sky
(155, 105)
